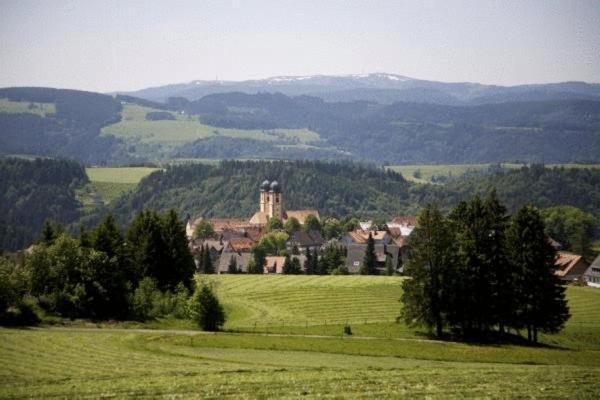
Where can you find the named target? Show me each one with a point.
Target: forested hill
(32, 191)
(535, 185)
(99, 129)
(231, 189)
(412, 133)
(59, 123)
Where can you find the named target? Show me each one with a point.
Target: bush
(149, 302)
(205, 309)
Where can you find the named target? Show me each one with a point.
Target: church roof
(301, 215)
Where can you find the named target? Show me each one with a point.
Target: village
(230, 241)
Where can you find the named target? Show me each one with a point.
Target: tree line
(103, 274)
(477, 271)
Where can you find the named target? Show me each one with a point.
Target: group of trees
(104, 274)
(477, 270)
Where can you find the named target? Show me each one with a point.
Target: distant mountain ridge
(377, 87)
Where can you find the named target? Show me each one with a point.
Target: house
(404, 224)
(356, 255)
(301, 215)
(592, 275)
(360, 236)
(312, 240)
(570, 267)
(273, 264)
(242, 260)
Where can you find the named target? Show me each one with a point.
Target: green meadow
(106, 360)
(15, 107)
(110, 183)
(160, 138)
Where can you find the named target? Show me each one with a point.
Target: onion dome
(264, 186)
(275, 187)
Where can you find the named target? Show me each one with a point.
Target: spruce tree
(308, 263)
(427, 292)
(389, 265)
(208, 267)
(181, 266)
(288, 267)
(540, 294)
(232, 267)
(369, 265)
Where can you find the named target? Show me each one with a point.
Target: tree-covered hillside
(97, 129)
(32, 191)
(72, 131)
(342, 189)
(401, 133)
(231, 188)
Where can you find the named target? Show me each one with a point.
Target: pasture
(160, 138)
(17, 107)
(126, 363)
(110, 183)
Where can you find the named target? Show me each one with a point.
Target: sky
(126, 45)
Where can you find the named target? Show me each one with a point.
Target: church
(271, 205)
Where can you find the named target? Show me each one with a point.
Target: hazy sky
(124, 45)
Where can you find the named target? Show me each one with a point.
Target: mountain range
(377, 87)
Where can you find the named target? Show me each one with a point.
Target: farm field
(125, 363)
(427, 171)
(110, 183)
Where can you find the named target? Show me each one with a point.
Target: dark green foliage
(73, 281)
(232, 267)
(15, 308)
(204, 230)
(332, 228)
(230, 189)
(274, 224)
(288, 267)
(206, 310)
(540, 294)
(74, 131)
(536, 185)
(332, 258)
(309, 265)
(571, 227)
(148, 301)
(292, 225)
(369, 264)
(256, 265)
(428, 295)
(157, 247)
(473, 273)
(33, 191)
(556, 131)
(389, 266)
(311, 223)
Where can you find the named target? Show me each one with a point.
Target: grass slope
(110, 183)
(160, 138)
(66, 363)
(16, 107)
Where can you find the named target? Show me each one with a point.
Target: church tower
(264, 189)
(275, 201)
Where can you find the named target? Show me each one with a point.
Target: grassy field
(127, 363)
(425, 173)
(110, 183)
(13, 107)
(161, 137)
